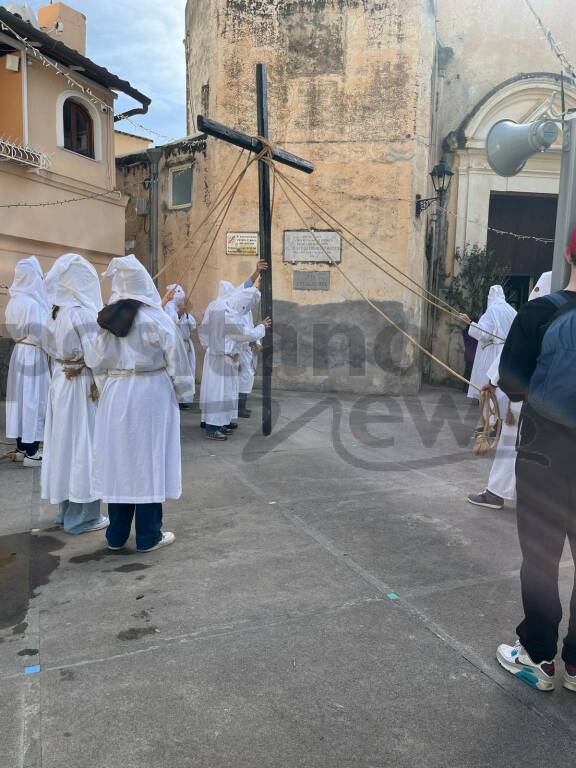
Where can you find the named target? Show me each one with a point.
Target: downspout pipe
(154, 154)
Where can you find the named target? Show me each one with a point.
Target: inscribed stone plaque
(301, 246)
(242, 243)
(311, 281)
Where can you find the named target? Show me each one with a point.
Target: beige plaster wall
(350, 90)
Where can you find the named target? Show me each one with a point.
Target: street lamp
(441, 176)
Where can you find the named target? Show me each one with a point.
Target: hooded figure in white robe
(490, 332)
(224, 330)
(502, 480)
(73, 286)
(248, 357)
(185, 321)
(27, 315)
(137, 435)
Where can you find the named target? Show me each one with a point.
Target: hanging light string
(71, 80)
(493, 229)
(560, 54)
(48, 204)
(46, 62)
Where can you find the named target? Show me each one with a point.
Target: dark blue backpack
(552, 391)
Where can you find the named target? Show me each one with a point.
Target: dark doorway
(524, 214)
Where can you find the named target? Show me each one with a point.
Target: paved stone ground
(331, 602)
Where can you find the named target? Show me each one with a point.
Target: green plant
(476, 271)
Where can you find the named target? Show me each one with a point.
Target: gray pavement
(331, 601)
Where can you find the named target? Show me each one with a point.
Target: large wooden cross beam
(231, 136)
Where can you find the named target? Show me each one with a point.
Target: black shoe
(232, 425)
(486, 499)
(226, 431)
(215, 435)
(245, 414)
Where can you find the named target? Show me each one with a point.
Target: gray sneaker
(486, 499)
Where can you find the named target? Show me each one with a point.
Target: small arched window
(78, 129)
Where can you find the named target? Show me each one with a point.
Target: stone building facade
(374, 93)
(350, 90)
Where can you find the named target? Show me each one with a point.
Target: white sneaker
(104, 522)
(569, 681)
(167, 539)
(515, 659)
(33, 461)
(18, 455)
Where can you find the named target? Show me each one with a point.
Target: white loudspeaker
(509, 145)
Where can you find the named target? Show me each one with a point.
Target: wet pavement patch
(130, 567)
(96, 557)
(135, 633)
(26, 563)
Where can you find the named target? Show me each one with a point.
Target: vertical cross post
(279, 155)
(265, 249)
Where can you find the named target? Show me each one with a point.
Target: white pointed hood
(131, 280)
(29, 281)
(543, 287)
(73, 282)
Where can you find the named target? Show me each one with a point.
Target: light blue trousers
(78, 518)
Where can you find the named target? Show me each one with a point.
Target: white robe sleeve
(484, 329)
(171, 311)
(178, 365)
(493, 373)
(238, 332)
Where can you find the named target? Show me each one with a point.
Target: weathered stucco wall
(350, 90)
(493, 42)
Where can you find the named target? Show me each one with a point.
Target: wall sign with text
(323, 247)
(242, 244)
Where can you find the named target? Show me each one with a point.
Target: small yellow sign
(242, 244)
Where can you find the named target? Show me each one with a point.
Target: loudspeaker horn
(509, 144)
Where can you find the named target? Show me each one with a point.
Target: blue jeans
(79, 518)
(148, 524)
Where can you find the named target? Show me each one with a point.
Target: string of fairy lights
(556, 47)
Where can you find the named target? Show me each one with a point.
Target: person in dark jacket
(546, 489)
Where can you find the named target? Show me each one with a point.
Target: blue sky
(141, 41)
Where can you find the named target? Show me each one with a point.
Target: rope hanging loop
(490, 422)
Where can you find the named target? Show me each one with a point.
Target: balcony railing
(23, 154)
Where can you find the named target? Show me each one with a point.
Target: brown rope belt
(72, 372)
(73, 368)
(28, 343)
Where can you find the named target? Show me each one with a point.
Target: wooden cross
(231, 136)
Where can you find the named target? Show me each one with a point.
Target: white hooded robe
(27, 315)
(502, 480)
(186, 324)
(490, 332)
(74, 286)
(137, 456)
(224, 330)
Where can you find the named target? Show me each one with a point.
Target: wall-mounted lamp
(441, 176)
